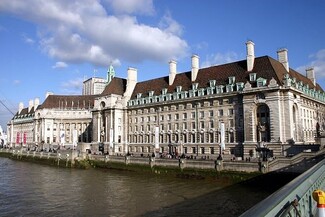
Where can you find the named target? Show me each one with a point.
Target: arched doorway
(263, 123)
(103, 123)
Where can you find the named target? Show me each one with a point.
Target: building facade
(247, 105)
(59, 120)
(238, 109)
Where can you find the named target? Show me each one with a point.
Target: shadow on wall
(296, 149)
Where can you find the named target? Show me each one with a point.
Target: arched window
(263, 123)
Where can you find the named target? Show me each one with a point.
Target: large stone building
(59, 120)
(255, 103)
(246, 106)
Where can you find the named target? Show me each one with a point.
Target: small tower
(110, 73)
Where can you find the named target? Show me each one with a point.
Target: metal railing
(295, 198)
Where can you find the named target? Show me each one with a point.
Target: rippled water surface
(36, 190)
(28, 189)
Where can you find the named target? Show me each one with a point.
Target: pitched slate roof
(69, 101)
(116, 86)
(264, 67)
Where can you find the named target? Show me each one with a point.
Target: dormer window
(220, 89)
(178, 89)
(164, 91)
(261, 82)
(194, 86)
(139, 95)
(252, 77)
(229, 88)
(212, 83)
(231, 80)
(240, 86)
(151, 93)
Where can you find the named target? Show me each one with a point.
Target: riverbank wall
(78, 159)
(71, 157)
(183, 168)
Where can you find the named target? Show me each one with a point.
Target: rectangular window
(176, 126)
(211, 113)
(193, 126)
(231, 123)
(169, 117)
(202, 124)
(211, 150)
(231, 112)
(184, 126)
(220, 112)
(193, 150)
(193, 115)
(176, 116)
(211, 125)
(184, 115)
(202, 114)
(161, 117)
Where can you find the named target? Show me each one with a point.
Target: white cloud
(27, 39)
(59, 65)
(219, 58)
(132, 6)
(82, 31)
(170, 25)
(318, 62)
(72, 87)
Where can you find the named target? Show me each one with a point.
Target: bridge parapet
(293, 198)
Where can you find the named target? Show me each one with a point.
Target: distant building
(3, 137)
(21, 128)
(59, 120)
(94, 85)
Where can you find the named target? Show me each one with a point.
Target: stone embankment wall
(69, 158)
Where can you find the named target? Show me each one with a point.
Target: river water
(28, 189)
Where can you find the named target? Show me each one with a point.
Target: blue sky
(54, 45)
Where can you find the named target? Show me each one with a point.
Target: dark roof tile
(69, 102)
(116, 86)
(264, 67)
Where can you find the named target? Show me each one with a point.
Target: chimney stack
(172, 71)
(283, 58)
(250, 55)
(131, 81)
(195, 67)
(311, 75)
(20, 107)
(36, 103)
(30, 105)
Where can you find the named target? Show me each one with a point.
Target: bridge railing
(295, 198)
